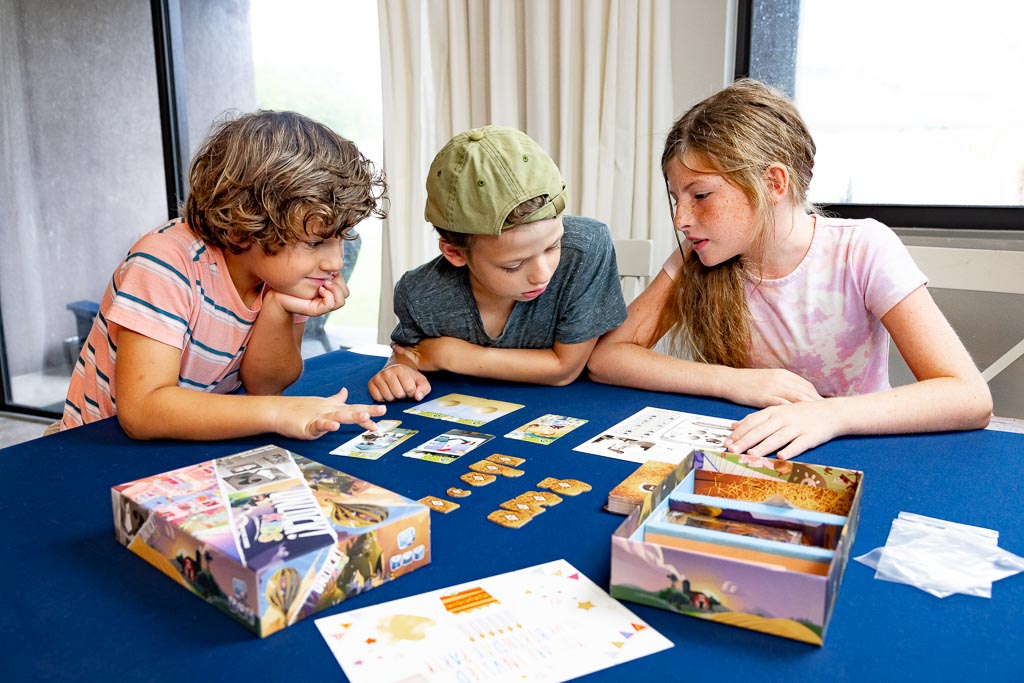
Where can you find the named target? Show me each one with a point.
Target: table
(81, 607)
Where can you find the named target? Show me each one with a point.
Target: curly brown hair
(272, 178)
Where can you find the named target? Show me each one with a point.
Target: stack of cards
(630, 493)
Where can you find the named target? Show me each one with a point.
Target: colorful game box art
(731, 566)
(270, 537)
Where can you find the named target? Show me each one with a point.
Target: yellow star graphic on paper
(587, 605)
(617, 643)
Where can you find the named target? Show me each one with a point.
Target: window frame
(948, 217)
(166, 25)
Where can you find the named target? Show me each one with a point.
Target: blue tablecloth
(81, 607)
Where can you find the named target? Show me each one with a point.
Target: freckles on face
(715, 217)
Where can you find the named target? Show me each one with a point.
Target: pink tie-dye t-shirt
(823, 320)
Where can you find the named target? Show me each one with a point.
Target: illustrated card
(449, 447)
(659, 434)
(542, 623)
(467, 410)
(545, 429)
(373, 445)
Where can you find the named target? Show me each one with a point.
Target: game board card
(659, 434)
(544, 623)
(449, 447)
(467, 410)
(455, 442)
(545, 429)
(372, 445)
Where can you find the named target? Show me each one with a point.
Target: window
(317, 57)
(915, 109)
(81, 175)
(103, 105)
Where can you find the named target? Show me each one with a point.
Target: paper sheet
(543, 623)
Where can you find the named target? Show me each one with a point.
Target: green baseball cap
(482, 174)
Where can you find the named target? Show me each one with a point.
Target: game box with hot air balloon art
(271, 537)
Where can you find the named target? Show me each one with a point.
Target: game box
(746, 541)
(271, 537)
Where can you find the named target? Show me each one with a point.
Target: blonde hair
(268, 178)
(739, 133)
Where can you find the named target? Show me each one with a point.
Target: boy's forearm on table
(538, 366)
(180, 413)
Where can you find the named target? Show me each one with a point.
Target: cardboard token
(507, 460)
(456, 492)
(477, 478)
(545, 498)
(565, 487)
(518, 505)
(439, 504)
(488, 467)
(509, 519)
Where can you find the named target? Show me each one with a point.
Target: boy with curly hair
(214, 303)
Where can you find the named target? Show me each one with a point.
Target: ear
(777, 180)
(455, 255)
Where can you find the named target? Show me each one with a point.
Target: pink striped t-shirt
(823, 320)
(176, 289)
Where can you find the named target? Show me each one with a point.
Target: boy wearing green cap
(520, 292)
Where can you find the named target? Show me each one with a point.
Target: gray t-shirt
(582, 301)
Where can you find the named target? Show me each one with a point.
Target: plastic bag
(942, 557)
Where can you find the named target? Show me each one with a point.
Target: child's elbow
(597, 366)
(981, 409)
(975, 407)
(564, 380)
(135, 425)
(566, 375)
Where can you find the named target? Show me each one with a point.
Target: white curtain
(589, 80)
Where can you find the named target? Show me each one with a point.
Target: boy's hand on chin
(329, 298)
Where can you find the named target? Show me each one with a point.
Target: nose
(332, 256)
(681, 217)
(541, 271)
